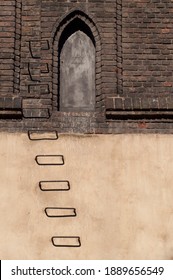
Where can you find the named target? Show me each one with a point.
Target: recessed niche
(77, 68)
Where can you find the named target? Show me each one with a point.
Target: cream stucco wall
(121, 187)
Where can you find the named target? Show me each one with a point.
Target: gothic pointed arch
(76, 42)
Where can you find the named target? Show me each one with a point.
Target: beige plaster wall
(121, 187)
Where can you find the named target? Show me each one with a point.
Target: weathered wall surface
(121, 188)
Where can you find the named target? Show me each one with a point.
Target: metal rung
(58, 212)
(66, 241)
(42, 135)
(54, 185)
(50, 160)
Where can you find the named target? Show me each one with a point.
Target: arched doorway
(76, 68)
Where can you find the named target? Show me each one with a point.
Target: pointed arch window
(76, 73)
(77, 64)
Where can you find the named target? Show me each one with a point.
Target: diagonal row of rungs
(61, 185)
(60, 212)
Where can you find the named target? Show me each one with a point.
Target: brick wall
(10, 26)
(134, 80)
(147, 48)
(49, 17)
(7, 43)
(147, 45)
